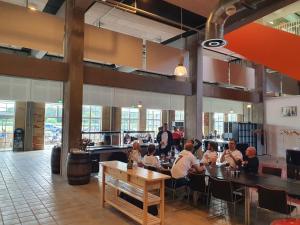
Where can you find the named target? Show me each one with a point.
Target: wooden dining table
(291, 187)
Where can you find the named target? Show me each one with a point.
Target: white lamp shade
(180, 70)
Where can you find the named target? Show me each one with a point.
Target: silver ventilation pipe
(214, 30)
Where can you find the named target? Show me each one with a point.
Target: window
(232, 117)
(130, 119)
(92, 121)
(53, 123)
(179, 116)
(153, 120)
(219, 123)
(7, 120)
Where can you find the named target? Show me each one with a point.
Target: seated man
(232, 156)
(185, 162)
(251, 163)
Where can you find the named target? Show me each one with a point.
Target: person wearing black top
(165, 140)
(251, 163)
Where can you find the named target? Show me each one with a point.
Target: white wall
(222, 105)
(276, 139)
(23, 89)
(273, 111)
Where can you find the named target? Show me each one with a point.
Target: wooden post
(73, 87)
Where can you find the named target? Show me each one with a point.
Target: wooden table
(137, 183)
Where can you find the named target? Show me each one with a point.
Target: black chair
(274, 200)
(197, 184)
(174, 184)
(271, 171)
(224, 191)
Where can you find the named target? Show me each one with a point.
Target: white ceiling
(128, 23)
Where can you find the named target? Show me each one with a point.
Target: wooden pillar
(193, 104)
(73, 87)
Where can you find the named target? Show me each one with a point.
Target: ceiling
(201, 7)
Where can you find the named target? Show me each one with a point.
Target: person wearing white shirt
(232, 156)
(185, 162)
(149, 159)
(211, 155)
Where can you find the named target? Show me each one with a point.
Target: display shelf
(128, 209)
(132, 191)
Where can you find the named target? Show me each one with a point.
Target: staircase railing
(291, 27)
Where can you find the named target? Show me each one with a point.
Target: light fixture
(180, 69)
(139, 105)
(231, 111)
(249, 106)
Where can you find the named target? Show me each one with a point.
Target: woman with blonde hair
(135, 154)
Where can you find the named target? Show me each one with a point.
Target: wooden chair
(271, 171)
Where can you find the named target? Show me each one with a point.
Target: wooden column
(193, 104)
(73, 87)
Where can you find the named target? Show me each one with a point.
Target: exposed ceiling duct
(214, 31)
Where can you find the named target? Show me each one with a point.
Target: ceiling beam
(230, 94)
(112, 78)
(249, 15)
(27, 67)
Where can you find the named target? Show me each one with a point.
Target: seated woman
(150, 160)
(135, 154)
(210, 156)
(251, 163)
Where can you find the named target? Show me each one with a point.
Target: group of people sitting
(186, 162)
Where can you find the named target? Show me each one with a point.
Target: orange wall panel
(273, 48)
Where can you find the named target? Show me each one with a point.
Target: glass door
(7, 123)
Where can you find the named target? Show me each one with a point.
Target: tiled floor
(30, 195)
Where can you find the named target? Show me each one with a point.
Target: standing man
(164, 139)
(232, 156)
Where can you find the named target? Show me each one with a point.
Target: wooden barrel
(55, 159)
(79, 168)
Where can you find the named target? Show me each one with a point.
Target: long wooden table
(291, 187)
(137, 183)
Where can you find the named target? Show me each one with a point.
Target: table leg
(145, 205)
(103, 188)
(162, 202)
(247, 206)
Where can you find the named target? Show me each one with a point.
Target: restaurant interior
(149, 112)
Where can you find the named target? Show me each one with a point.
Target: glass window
(92, 121)
(53, 123)
(179, 116)
(153, 120)
(7, 122)
(219, 123)
(130, 119)
(232, 117)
